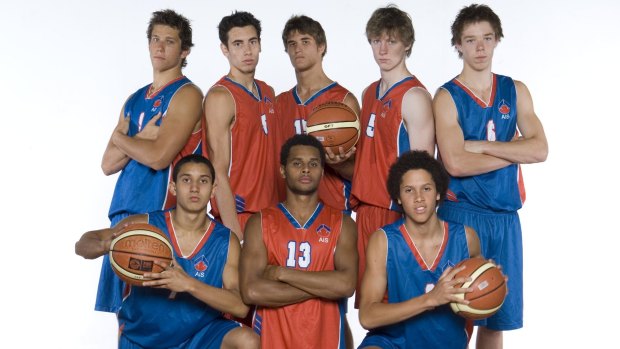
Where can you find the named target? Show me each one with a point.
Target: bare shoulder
(378, 241)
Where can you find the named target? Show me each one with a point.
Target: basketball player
(396, 117)
(240, 132)
(479, 117)
(149, 316)
(305, 42)
(158, 124)
(411, 260)
(299, 258)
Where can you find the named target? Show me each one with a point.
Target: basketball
(134, 250)
(489, 289)
(335, 125)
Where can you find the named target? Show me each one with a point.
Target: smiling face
(193, 187)
(477, 44)
(242, 49)
(303, 170)
(165, 48)
(418, 195)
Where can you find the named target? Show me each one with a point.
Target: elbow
(454, 169)
(249, 295)
(240, 311)
(108, 169)
(159, 163)
(542, 154)
(366, 321)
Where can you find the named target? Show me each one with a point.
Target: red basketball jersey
(383, 139)
(309, 246)
(253, 162)
(334, 190)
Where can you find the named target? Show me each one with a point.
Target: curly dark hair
(417, 160)
(237, 19)
(302, 139)
(176, 21)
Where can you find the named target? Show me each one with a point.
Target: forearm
(345, 169)
(274, 294)
(323, 284)
(145, 151)
(113, 160)
(90, 247)
(471, 164)
(521, 151)
(379, 314)
(226, 205)
(226, 301)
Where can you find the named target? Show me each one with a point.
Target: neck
(310, 82)
(162, 78)
(476, 79)
(244, 79)
(426, 230)
(301, 206)
(389, 78)
(193, 222)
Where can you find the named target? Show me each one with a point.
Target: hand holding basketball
(446, 290)
(488, 286)
(173, 277)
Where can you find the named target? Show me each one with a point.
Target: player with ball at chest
(411, 261)
(149, 317)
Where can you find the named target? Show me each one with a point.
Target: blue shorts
(374, 339)
(500, 240)
(210, 336)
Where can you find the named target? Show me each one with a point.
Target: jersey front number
(298, 255)
(300, 126)
(370, 129)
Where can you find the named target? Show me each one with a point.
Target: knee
(248, 340)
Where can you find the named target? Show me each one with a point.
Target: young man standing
(158, 124)
(305, 43)
(299, 259)
(411, 261)
(396, 117)
(149, 317)
(486, 128)
(240, 134)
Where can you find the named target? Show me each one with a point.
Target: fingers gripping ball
(489, 289)
(134, 250)
(335, 125)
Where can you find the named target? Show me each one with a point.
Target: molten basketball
(489, 289)
(335, 125)
(134, 250)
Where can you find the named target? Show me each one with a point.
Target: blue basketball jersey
(140, 188)
(149, 318)
(501, 190)
(409, 276)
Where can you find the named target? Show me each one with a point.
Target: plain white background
(67, 67)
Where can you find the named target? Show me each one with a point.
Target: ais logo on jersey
(157, 103)
(504, 109)
(386, 107)
(269, 105)
(323, 231)
(200, 266)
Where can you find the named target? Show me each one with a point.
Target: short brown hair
(475, 13)
(393, 22)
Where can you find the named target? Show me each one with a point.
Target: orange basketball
(134, 250)
(335, 125)
(489, 289)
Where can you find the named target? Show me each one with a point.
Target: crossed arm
(154, 146)
(469, 158)
(275, 286)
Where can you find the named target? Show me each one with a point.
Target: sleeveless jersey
(253, 170)
(334, 190)
(408, 276)
(148, 317)
(140, 188)
(315, 323)
(500, 190)
(384, 138)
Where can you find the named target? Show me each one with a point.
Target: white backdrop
(67, 67)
